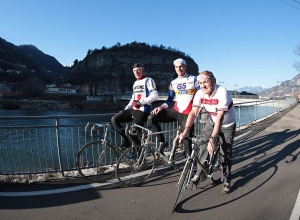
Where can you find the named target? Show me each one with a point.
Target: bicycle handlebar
(150, 133)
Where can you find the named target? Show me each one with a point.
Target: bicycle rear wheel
(217, 168)
(135, 165)
(183, 181)
(97, 161)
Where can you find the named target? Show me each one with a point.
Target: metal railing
(45, 144)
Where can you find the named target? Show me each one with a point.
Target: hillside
(111, 68)
(30, 61)
(286, 88)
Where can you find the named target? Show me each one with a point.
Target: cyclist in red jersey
(217, 101)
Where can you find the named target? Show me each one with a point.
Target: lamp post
(278, 89)
(235, 85)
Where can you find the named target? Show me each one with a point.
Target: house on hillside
(6, 88)
(63, 89)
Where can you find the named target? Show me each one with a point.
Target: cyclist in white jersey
(183, 88)
(217, 101)
(139, 107)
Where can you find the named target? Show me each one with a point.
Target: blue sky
(244, 42)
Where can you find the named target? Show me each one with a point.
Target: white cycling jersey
(220, 99)
(184, 89)
(144, 91)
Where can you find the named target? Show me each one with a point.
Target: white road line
(55, 191)
(296, 211)
(242, 135)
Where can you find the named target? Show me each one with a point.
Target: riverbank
(63, 103)
(59, 103)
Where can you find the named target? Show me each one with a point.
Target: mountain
(253, 89)
(30, 61)
(286, 88)
(110, 69)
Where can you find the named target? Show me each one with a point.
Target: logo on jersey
(181, 89)
(139, 89)
(210, 101)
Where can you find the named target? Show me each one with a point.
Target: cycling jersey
(184, 89)
(144, 91)
(220, 99)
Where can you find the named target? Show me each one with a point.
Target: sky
(243, 42)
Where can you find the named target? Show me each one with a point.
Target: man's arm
(189, 122)
(214, 135)
(153, 95)
(168, 102)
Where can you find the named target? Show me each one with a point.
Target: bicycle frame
(145, 141)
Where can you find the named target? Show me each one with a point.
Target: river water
(39, 144)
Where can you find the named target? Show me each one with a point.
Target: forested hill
(112, 67)
(30, 62)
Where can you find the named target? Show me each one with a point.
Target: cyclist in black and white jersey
(140, 105)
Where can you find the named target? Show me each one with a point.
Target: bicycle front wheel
(135, 165)
(97, 161)
(183, 181)
(217, 168)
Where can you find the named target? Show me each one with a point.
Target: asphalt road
(265, 186)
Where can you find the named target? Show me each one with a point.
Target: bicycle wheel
(183, 181)
(135, 165)
(217, 168)
(97, 161)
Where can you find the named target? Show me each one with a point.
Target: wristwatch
(214, 138)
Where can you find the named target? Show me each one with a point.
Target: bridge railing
(46, 144)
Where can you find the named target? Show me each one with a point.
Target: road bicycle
(211, 168)
(97, 159)
(137, 163)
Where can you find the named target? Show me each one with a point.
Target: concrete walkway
(265, 186)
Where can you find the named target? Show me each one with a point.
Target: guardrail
(46, 144)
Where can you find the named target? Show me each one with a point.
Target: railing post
(58, 146)
(239, 117)
(255, 115)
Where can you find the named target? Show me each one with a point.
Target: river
(30, 145)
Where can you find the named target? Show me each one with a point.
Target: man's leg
(227, 135)
(139, 118)
(181, 118)
(117, 119)
(165, 115)
(203, 153)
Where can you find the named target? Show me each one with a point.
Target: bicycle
(97, 159)
(137, 163)
(212, 169)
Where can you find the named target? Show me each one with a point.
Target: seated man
(222, 122)
(183, 88)
(139, 107)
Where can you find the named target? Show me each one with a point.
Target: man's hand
(211, 146)
(136, 104)
(179, 138)
(156, 110)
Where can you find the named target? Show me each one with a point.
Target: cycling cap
(179, 60)
(137, 65)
